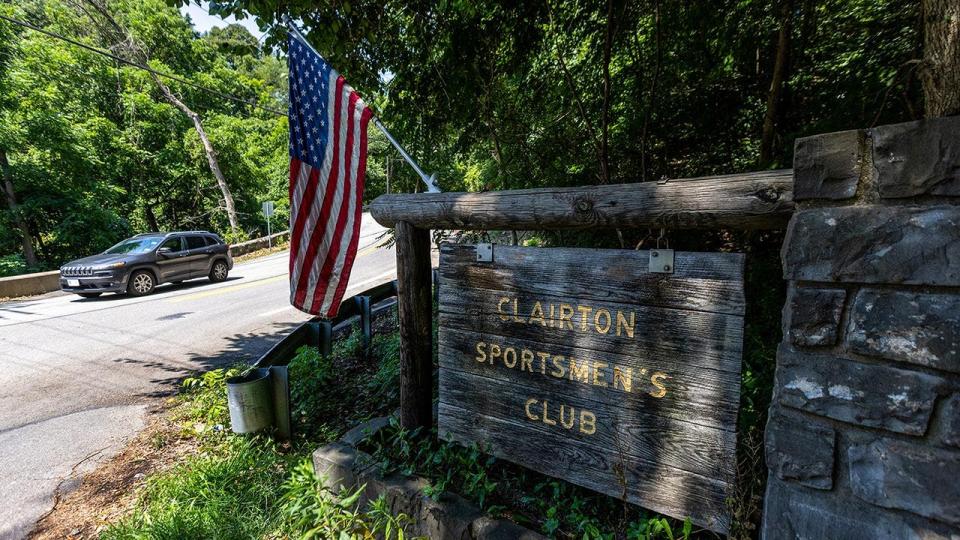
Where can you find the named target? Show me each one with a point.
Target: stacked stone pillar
(863, 439)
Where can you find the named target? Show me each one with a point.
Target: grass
(240, 487)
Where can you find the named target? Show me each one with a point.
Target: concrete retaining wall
(863, 439)
(259, 243)
(44, 282)
(29, 284)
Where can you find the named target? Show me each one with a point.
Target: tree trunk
(776, 83)
(29, 256)
(605, 114)
(208, 149)
(151, 217)
(194, 117)
(940, 73)
(652, 94)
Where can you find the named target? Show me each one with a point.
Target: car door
(200, 255)
(172, 260)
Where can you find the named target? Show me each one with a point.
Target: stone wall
(863, 439)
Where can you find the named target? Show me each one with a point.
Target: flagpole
(430, 180)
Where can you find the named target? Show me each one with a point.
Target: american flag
(328, 158)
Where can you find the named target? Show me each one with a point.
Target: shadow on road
(241, 349)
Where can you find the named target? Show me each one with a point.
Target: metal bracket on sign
(484, 252)
(661, 261)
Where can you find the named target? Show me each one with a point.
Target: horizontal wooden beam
(760, 200)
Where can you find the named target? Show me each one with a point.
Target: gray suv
(137, 265)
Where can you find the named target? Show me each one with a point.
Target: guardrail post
(363, 304)
(326, 338)
(436, 286)
(415, 311)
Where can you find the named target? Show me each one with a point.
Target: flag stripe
(328, 151)
(358, 212)
(343, 221)
(333, 186)
(319, 278)
(346, 243)
(307, 177)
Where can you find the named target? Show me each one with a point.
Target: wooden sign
(584, 365)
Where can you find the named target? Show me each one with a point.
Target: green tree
(96, 151)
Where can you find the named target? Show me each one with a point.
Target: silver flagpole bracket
(430, 181)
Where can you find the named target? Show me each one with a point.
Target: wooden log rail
(761, 200)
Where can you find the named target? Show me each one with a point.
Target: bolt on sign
(597, 367)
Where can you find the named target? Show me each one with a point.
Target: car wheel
(141, 283)
(89, 294)
(218, 272)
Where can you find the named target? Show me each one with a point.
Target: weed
(309, 373)
(385, 348)
(310, 510)
(350, 346)
(204, 397)
(559, 509)
(250, 487)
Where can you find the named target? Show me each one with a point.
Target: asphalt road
(77, 375)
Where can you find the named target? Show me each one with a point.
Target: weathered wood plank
(582, 364)
(666, 442)
(704, 340)
(415, 314)
(706, 397)
(663, 489)
(761, 200)
(606, 275)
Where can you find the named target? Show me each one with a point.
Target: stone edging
(341, 465)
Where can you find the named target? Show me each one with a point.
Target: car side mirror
(164, 251)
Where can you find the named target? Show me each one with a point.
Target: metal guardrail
(319, 333)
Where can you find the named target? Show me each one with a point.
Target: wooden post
(416, 325)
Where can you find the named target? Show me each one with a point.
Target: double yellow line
(229, 289)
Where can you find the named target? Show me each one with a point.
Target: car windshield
(135, 245)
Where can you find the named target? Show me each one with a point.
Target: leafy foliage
(491, 95)
(311, 510)
(204, 396)
(501, 95)
(559, 509)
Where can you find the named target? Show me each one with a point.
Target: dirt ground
(107, 494)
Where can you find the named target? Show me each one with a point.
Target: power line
(140, 66)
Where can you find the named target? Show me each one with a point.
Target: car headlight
(120, 264)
